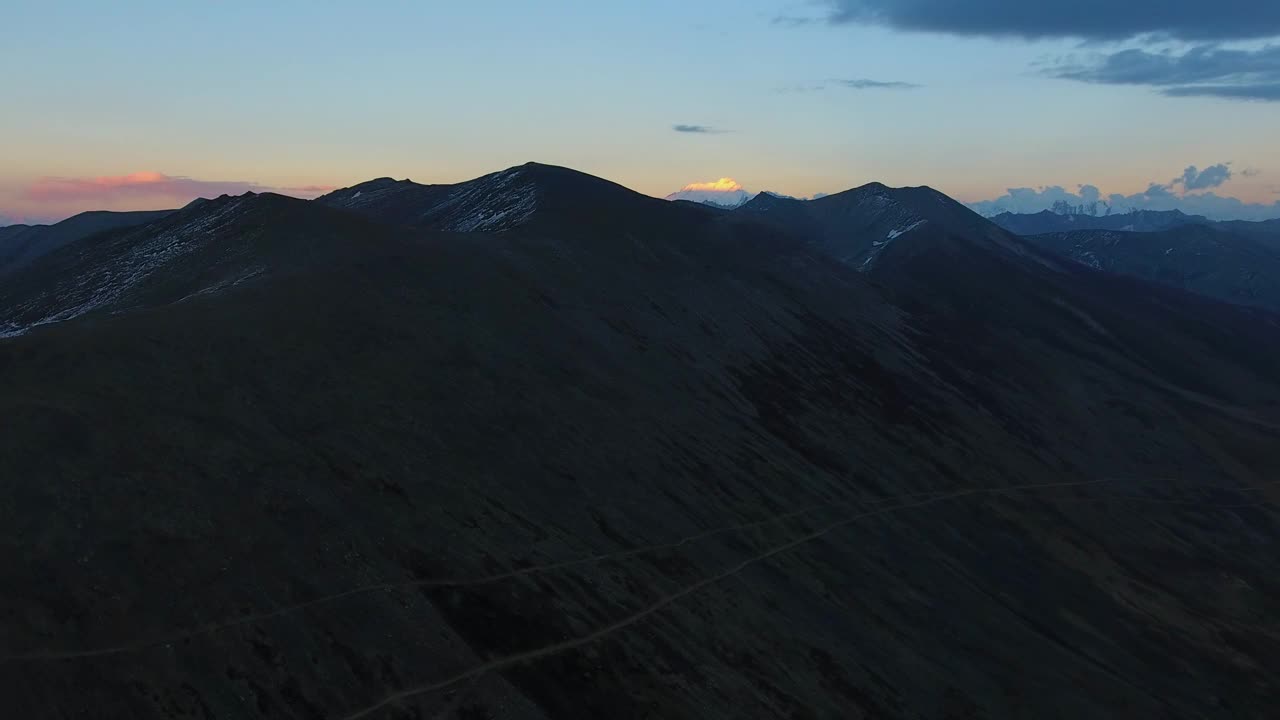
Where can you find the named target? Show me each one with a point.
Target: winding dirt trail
(931, 497)
(667, 600)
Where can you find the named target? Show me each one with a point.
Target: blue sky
(298, 96)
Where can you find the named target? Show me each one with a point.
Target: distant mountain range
(535, 445)
(1236, 261)
(1198, 258)
(1137, 221)
(21, 244)
(1048, 221)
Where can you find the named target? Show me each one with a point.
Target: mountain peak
(770, 202)
(874, 224)
(873, 186)
(495, 202)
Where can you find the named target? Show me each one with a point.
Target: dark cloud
(1088, 19)
(865, 84)
(852, 84)
(1175, 195)
(793, 21)
(1266, 92)
(1205, 70)
(697, 129)
(1251, 172)
(1201, 71)
(1210, 177)
(795, 89)
(1200, 64)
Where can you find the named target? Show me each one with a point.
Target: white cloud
(1174, 195)
(725, 191)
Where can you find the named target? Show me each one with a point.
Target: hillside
(21, 244)
(608, 456)
(1229, 266)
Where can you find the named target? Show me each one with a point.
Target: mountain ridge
(22, 246)
(1204, 259)
(495, 202)
(300, 460)
(860, 225)
(1047, 221)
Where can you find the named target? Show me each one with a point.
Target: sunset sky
(135, 105)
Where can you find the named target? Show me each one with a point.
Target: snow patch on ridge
(107, 283)
(221, 285)
(496, 202)
(370, 193)
(492, 203)
(878, 246)
(895, 234)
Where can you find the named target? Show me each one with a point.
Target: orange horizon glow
(52, 196)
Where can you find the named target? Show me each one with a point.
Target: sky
(1005, 104)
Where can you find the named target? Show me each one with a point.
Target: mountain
(20, 244)
(1047, 221)
(203, 249)
(1266, 232)
(723, 203)
(529, 194)
(10, 235)
(1198, 258)
(860, 226)
(611, 456)
(953, 269)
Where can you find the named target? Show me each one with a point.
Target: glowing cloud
(725, 191)
(722, 185)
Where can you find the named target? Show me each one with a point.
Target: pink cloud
(11, 218)
(149, 184)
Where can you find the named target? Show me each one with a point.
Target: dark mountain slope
(202, 249)
(393, 201)
(1197, 258)
(12, 231)
(12, 240)
(1266, 233)
(957, 270)
(18, 248)
(688, 392)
